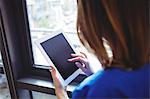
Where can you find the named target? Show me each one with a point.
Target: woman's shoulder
(90, 80)
(82, 89)
(120, 83)
(110, 81)
(95, 81)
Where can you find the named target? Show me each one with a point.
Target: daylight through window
(51, 16)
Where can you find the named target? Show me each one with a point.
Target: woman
(123, 25)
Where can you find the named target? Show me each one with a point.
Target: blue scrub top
(115, 83)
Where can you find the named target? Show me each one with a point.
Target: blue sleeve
(82, 90)
(80, 93)
(115, 83)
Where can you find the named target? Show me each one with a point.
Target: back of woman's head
(122, 24)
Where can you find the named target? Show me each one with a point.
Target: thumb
(52, 70)
(56, 81)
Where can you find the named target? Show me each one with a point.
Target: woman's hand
(82, 62)
(59, 88)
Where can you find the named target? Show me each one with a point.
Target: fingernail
(72, 54)
(68, 60)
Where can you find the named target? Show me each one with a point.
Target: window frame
(17, 53)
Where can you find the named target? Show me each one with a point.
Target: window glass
(51, 16)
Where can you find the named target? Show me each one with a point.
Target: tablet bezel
(72, 76)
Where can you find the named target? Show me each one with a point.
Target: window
(16, 43)
(48, 16)
(53, 16)
(16, 48)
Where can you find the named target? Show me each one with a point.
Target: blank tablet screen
(59, 50)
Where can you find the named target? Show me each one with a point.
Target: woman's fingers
(81, 54)
(77, 55)
(75, 59)
(52, 69)
(59, 88)
(56, 80)
(54, 74)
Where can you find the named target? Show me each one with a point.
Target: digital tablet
(57, 49)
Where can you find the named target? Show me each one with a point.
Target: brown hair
(122, 23)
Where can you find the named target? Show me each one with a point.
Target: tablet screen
(59, 50)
